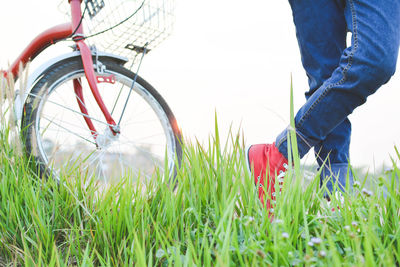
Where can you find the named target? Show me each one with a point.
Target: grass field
(212, 218)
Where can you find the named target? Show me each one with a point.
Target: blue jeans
(340, 77)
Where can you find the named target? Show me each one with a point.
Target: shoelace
(280, 179)
(281, 175)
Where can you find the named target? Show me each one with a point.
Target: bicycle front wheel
(57, 136)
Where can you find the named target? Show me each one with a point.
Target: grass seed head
(261, 253)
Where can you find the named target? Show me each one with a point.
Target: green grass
(212, 218)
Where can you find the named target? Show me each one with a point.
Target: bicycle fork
(87, 61)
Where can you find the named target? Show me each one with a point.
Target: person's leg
(322, 40)
(367, 64)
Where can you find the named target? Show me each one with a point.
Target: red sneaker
(266, 162)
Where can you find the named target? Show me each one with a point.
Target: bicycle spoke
(119, 93)
(116, 100)
(132, 86)
(62, 97)
(135, 115)
(148, 154)
(79, 127)
(77, 112)
(101, 169)
(95, 158)
(138, 122)
(142, 138)
(67, 130)
(129, 166)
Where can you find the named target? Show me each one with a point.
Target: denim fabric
(340, 77)
(337, 173)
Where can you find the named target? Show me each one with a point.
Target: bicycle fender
(21, 95)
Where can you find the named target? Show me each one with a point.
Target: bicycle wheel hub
(104, 140)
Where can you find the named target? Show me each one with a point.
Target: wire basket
(127, 27)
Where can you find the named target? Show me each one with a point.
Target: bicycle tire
(55, 153)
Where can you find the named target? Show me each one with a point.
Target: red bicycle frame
(51, 36)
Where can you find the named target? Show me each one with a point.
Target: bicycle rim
(145, 144)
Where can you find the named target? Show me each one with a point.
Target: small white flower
(285, 235)
(277, 221)
(248, 220)
(316, 240)
(271, 210)
(362, 260)
(357, 184)
(322, 254)
(311, 244)
(366, 192)
(347, 228)
(355, 224)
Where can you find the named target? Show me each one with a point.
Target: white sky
(235, 58)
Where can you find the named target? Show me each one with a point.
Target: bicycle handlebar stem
(76, 15)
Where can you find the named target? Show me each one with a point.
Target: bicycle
(85, 110)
